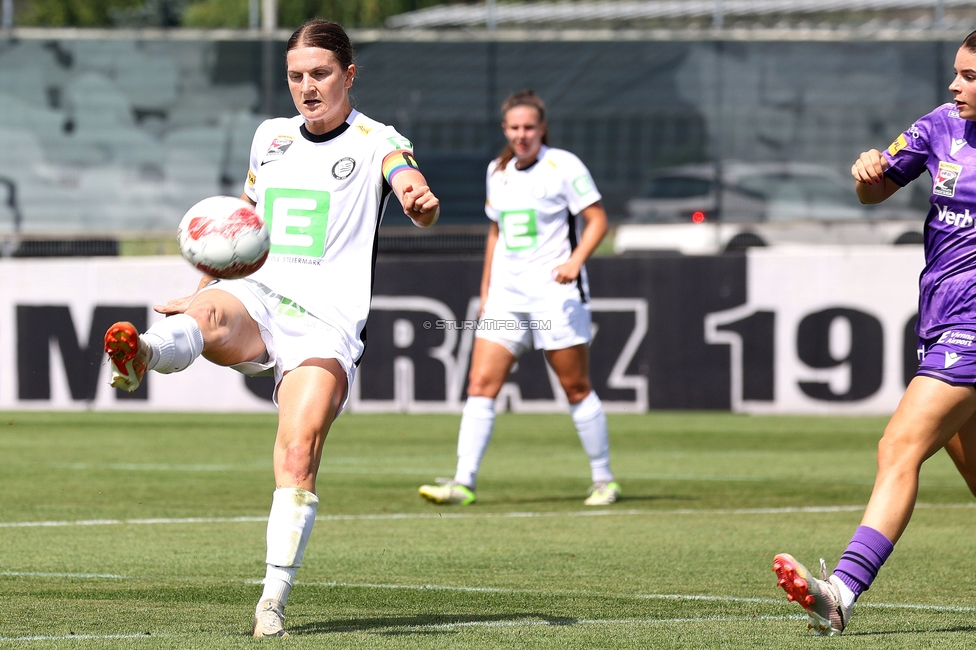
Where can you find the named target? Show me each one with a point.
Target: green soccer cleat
(826, 614)
(603, 493)
(269, 619)
(448, 491)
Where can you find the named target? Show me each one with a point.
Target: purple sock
(863, 558)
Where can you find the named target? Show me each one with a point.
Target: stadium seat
(193, 163)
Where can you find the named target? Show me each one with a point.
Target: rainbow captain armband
(396, 162)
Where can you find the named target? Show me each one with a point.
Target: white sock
(591, 425)
(277, 583)
(847, 596)
(474, 434)
(175, 342)
(289, 526)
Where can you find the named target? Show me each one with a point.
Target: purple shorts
(950, 357)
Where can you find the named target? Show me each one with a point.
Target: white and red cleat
(820, 597)
(129, 355)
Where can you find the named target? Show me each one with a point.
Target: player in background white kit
(534, 278)
(321, 181)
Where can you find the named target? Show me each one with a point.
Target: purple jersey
(945, 145)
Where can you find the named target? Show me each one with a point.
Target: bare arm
(593, 233)
(419, 203)
(179, 305)
(871, 185)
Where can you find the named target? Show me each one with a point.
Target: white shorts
(519, 331)
(290, 334)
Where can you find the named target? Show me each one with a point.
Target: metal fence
(107, 133)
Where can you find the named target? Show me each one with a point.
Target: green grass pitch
(147, 531)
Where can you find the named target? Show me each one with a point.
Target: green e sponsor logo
(400, 143)
(583, 185)
(520, 229)
(297, 221)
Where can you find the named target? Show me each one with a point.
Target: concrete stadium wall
(780, 330)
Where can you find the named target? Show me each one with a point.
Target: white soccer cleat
(826, 614)
(603, 493)
(269, 619)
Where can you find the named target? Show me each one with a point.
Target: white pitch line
(263, 467)
(121, 522)
(729, 479)
(420, 471)
(338, 468)
(84, 637)
(692, 597)
(483, 515)
(39, 574)
(937, 608)
(157, 467)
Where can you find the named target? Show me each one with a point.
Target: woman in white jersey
(321, 180)
(534, 278)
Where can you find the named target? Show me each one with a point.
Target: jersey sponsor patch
(278, 148)
(956, 337)
(583, 185)
(948, 215)
(520, 229)
(400, 142)
(896, 146)
(297, 221)
(944, 183)
(950, 358)
(251, 178)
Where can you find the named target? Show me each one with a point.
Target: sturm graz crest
(342, 169)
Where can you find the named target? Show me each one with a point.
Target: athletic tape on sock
(474, 434)
(591, 426)
(289, 526)
(277, 583)
(586, 409)
(479, 407)
(176, 342)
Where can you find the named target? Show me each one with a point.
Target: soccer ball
(224, 237)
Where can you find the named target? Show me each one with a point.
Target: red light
(698, 216)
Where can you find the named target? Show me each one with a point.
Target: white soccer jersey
(536, 210)
(322, 198)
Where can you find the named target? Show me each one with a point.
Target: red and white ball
(224, 237)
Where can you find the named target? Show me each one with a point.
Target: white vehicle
(759, 204)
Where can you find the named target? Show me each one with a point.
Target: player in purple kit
(938, 408)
